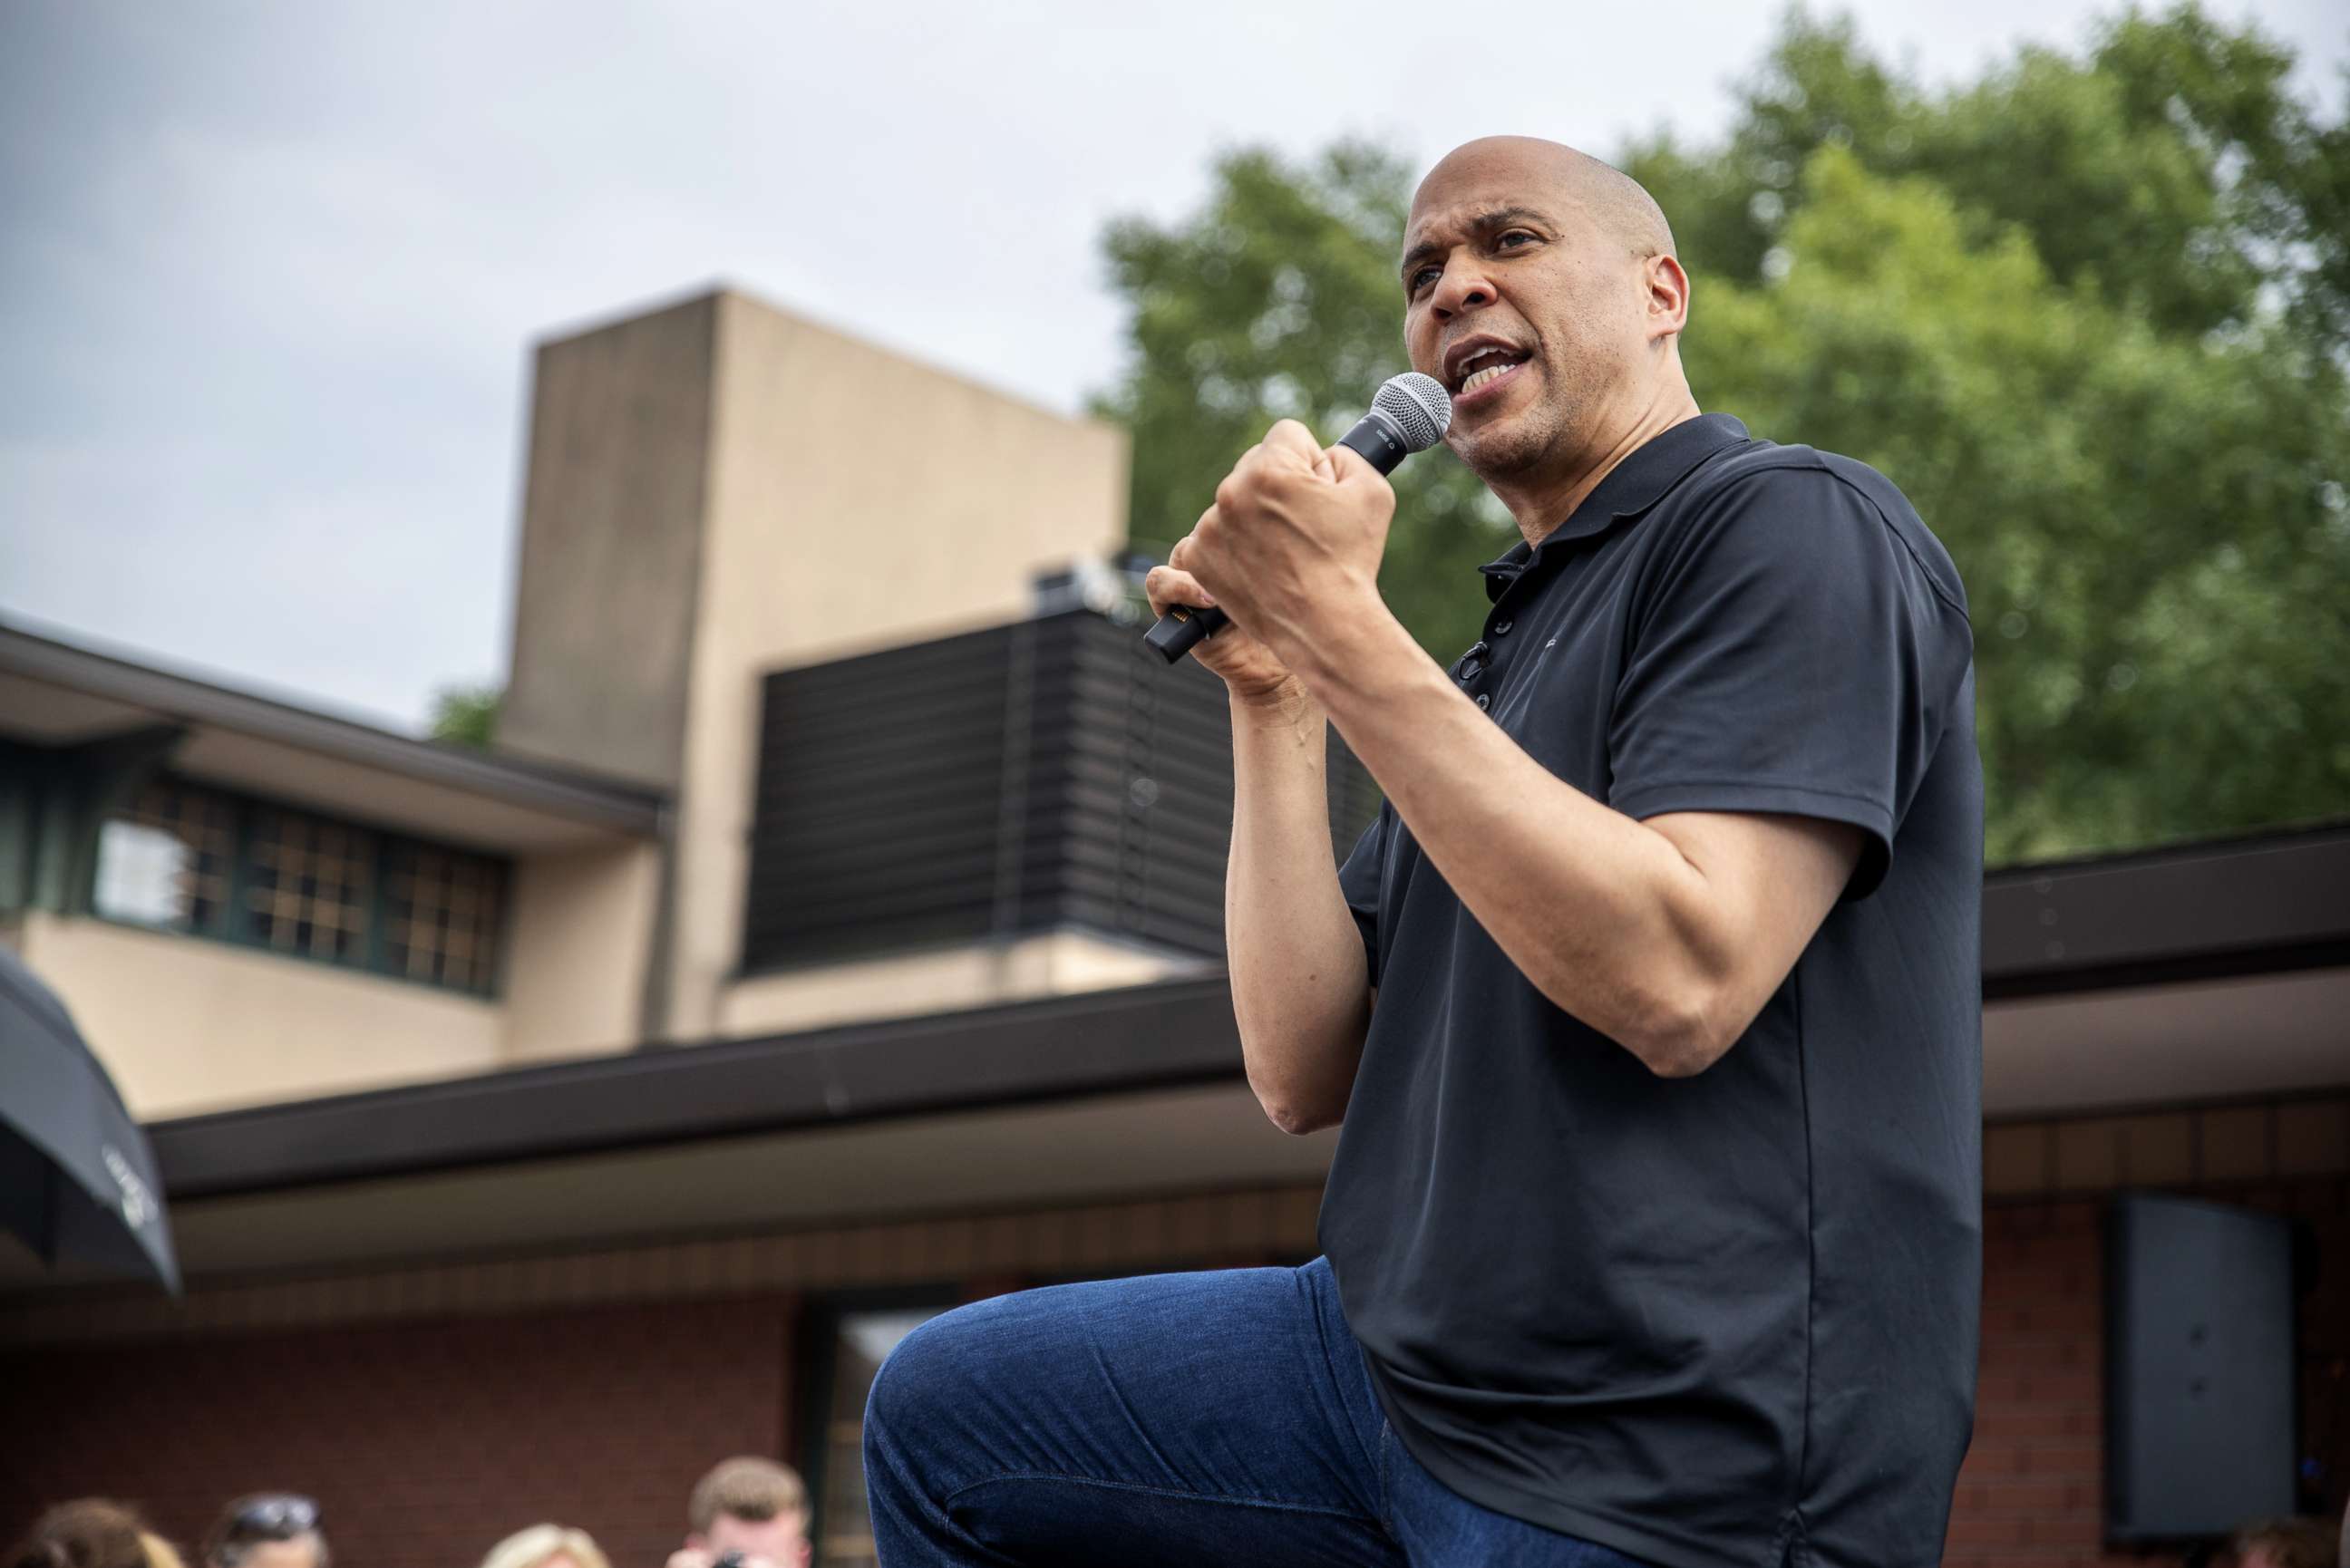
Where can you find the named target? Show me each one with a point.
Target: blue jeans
(1201, 1420)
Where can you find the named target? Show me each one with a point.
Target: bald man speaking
(1649, 1010)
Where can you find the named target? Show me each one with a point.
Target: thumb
(1344, 465)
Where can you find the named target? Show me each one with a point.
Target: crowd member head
(1548, 278)
(546, 1546)
(90, 1532)
(267, 1530)
(2286, 1544)
(751, 1506)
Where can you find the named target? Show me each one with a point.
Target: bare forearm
(1300, 989)
(1604, 915)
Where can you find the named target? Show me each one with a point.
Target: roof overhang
(2208, 972)
(2266, 904)
(2204, 971)
(55, 693)
(1077, 1098)
(1173, 1035)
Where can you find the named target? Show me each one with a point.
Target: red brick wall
(425, 1442)
(428, 1439)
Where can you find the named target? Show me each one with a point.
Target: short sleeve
(1791, 654)
(1358, 879)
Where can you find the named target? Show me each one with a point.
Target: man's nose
(1463, 286)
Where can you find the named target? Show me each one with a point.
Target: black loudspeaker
(2200, 1405)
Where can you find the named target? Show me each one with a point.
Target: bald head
(1604, 196)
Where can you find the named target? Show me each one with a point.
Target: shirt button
(1484, 700)
(1502, 628)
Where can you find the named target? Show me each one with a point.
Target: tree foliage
(467, 715)
(2091, 313)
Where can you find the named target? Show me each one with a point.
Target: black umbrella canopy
(77, 1182)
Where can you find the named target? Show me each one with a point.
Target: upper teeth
(1485, 372)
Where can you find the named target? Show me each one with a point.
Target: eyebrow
(1482, 223)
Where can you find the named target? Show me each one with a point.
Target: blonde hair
(748, 1487)
(542, 1544)
(160, 1553)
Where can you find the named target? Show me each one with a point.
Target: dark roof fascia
(2268, 904)
(1139, 1038)
(2253, 907)
(610, 803)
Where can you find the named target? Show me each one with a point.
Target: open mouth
(1485, 366)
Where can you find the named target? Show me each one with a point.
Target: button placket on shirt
(1469, 669)
(1490, 666)
(1481, 678)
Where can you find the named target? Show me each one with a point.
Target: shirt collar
(1646, 475)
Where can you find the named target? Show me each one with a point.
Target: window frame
(819, 1364)
(244, 809)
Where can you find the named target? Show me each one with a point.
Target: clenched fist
(1294, 538)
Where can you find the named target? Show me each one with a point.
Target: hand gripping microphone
(1408, 414)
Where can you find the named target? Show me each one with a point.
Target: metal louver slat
(1012, 780)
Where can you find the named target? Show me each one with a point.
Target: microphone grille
(1419, 405)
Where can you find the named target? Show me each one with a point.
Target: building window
(853, 1345)
(444, 911)
(165, 862)
(310, 885)
(184, 857)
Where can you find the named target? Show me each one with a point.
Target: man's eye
(1422, 278)
(1503, 241)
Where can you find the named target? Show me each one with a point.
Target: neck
(1541, 502)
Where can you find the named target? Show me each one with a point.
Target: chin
(1505, 446)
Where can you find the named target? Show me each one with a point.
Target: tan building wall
(719, 489)
(611, 540)
(1060, 963)
(715, 490)
(578, 943)
(856, 500)
(186, 1025)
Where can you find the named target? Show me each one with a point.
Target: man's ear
(1667, 287)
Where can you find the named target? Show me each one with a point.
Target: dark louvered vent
(1025, 778)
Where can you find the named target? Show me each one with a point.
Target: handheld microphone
(1408, 414)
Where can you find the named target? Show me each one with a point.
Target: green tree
(467, 715)
(2089, 313)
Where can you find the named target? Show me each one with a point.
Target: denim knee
(924, 1378)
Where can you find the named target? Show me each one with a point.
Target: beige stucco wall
(611, 540)
(580, 936)
(186, 1025)
(855, 500)
(944, 979)
(714, 490)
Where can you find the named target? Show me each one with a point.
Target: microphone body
(1409, 415)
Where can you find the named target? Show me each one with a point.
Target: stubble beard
(1523, 441)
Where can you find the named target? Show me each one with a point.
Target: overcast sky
(269, 271)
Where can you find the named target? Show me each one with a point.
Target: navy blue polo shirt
(1728, 1318)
